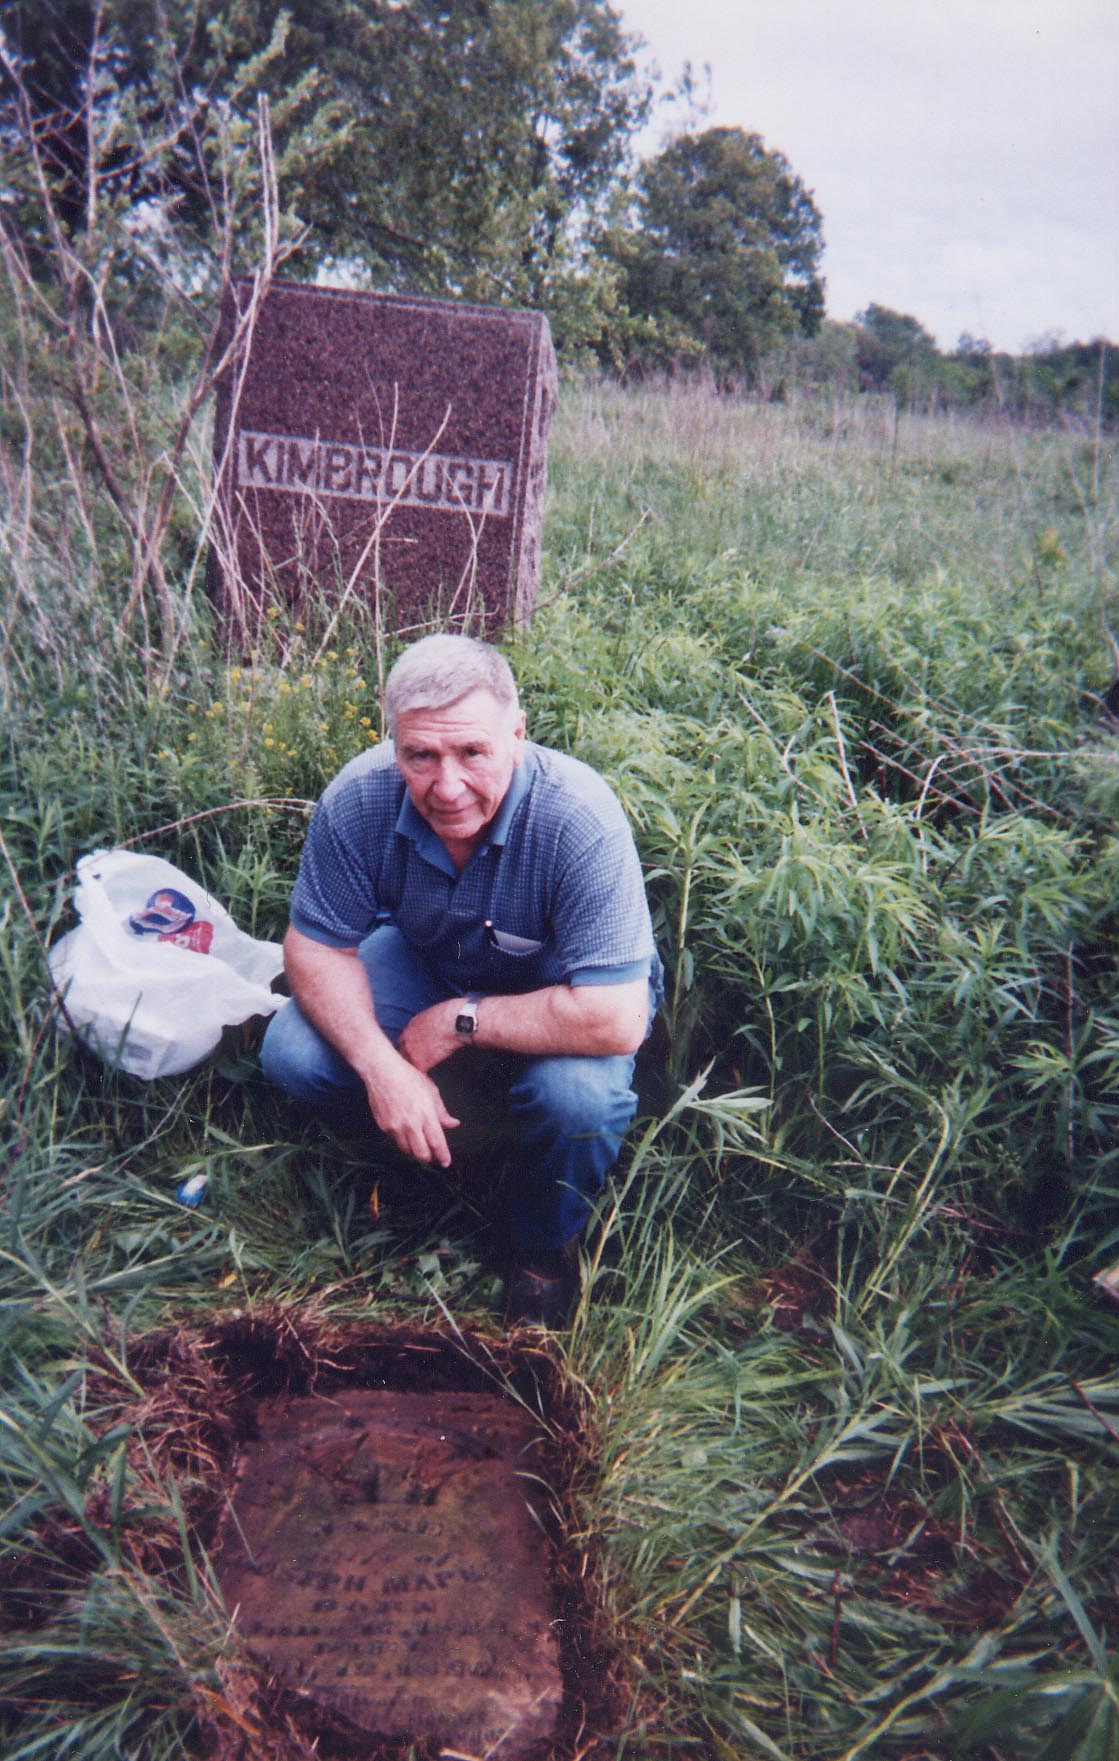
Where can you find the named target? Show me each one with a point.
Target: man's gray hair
(437, 670)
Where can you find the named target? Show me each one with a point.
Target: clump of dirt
(797, 1294)
(896, 1549)
(887, 1525)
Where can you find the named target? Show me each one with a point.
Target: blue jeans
(566, 1115)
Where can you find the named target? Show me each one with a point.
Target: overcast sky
(964, 153)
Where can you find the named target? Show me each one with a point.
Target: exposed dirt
(797, 1293)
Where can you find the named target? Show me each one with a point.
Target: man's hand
(430, 1036)
(332, 989)
(409, 1108)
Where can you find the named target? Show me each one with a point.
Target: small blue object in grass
(193, 1191)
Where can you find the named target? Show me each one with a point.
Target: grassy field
(840, 1420)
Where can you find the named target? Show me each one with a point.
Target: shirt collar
(514, 795)
(412, 825)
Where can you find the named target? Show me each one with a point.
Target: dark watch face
(465, 1023)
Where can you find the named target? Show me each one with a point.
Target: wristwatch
(466, 1021)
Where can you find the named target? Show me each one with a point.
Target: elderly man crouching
(463, 890)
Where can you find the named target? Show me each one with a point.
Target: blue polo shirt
(554, 896)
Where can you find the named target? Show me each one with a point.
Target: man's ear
(520, 734)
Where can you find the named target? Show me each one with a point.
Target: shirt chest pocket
(516, 962)
(516, 947)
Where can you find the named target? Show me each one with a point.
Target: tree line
(892, 352)
(479, 150)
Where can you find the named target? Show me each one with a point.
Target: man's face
(458, 763)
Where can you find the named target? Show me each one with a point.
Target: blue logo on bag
(165, 913)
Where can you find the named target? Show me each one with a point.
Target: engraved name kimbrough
(379, 474)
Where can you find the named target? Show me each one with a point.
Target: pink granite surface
(382, 446)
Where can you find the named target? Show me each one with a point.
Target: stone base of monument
(383, 1557)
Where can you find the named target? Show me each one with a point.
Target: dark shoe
(541, 1288)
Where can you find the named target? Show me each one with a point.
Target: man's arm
(332, 989)
(587, 1020)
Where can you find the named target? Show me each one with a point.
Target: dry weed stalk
(68, 284)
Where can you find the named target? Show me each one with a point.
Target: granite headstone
(379, 446)
(382, 1560)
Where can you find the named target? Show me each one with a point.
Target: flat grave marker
(383, 1561)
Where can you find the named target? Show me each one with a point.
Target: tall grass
(846, 1478)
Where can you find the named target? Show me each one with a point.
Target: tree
(894, 352)
(458, 149)
(110, 337)
(111, 109)
(725, 253)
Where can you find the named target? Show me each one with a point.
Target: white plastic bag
(156, 968)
